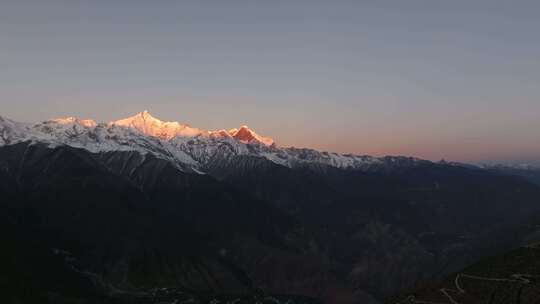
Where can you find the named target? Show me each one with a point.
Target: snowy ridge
(191, 149)
(166, 130)
(12, 132)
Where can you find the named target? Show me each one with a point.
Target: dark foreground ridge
(126, 227)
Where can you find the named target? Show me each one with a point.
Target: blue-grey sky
(456, 79)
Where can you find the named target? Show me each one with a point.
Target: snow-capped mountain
(146, 124)
(165, 130)
(188, 147)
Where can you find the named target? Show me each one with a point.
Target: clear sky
(456, 79)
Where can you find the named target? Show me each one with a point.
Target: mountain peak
(147, 124)
(247, 135)
(144, 115)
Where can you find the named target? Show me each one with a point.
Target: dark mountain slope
(121, 223)
(386, 230)
(76, 217)
(510, 278)
(531, 174)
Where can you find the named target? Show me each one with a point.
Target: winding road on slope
(451, 293)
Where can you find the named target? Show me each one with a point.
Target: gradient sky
(456, 79)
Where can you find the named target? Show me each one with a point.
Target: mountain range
(140, 210)
(190, 148)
